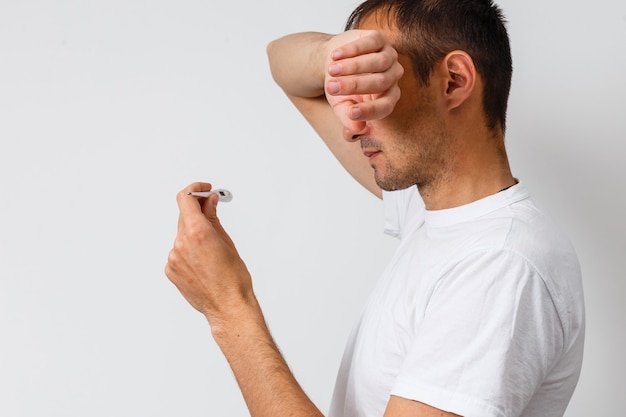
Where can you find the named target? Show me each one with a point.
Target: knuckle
(196, 234)
(381, 82)
(399, 69)
(174, 256)
(397, 92)
(354, 85)
(386, 61)
(353, 67)
(172, 263)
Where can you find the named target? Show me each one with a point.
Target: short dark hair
(430, 29)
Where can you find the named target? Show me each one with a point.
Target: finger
(209, 209)
(369, 41)
(376, 83)
(365, 83)
(352, 128)
(189, 206)
(378, 108)
(342, 110)
(363, 64)
(357, 85)
(197, 187)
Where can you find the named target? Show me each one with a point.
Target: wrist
(243, 318)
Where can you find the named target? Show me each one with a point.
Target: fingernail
(355, 113)
(333, 87)
(334, 69)
(336, 54)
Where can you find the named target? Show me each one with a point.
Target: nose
(354, 133)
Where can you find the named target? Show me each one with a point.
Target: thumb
(344, 112)
(209, 209)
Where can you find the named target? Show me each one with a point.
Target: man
(480, 312)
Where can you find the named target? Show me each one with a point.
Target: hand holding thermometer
(224, 195)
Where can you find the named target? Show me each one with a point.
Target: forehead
(381, 20)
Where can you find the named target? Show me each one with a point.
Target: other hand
(204, 264)
(362, 77)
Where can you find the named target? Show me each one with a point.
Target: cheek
(405, 151)
(412, 112)
(400, 122)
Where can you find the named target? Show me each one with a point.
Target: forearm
(297, 63)
(268, 386)
(300, 66)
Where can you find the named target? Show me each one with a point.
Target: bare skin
(388, 132)
(207, 270)
(439, 130)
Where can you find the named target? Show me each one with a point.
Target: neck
(479, 169)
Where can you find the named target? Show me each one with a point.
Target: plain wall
(108, 108)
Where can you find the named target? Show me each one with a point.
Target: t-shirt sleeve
(488, 337)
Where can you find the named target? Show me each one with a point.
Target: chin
(393, 185)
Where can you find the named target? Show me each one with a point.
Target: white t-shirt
(480, 312)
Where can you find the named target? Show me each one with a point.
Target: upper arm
(402, 407)
(501, 337)
(321, 117)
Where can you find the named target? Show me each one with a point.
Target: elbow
(270, 50)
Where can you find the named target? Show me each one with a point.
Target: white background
(108, 108)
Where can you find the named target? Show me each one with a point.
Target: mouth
(371, 154)
(370, 147)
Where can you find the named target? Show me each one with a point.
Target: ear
(460, 78)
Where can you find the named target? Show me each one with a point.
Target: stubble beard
(415, 161)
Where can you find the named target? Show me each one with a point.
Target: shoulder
(521, 249)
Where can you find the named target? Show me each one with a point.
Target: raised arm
(338, 83)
